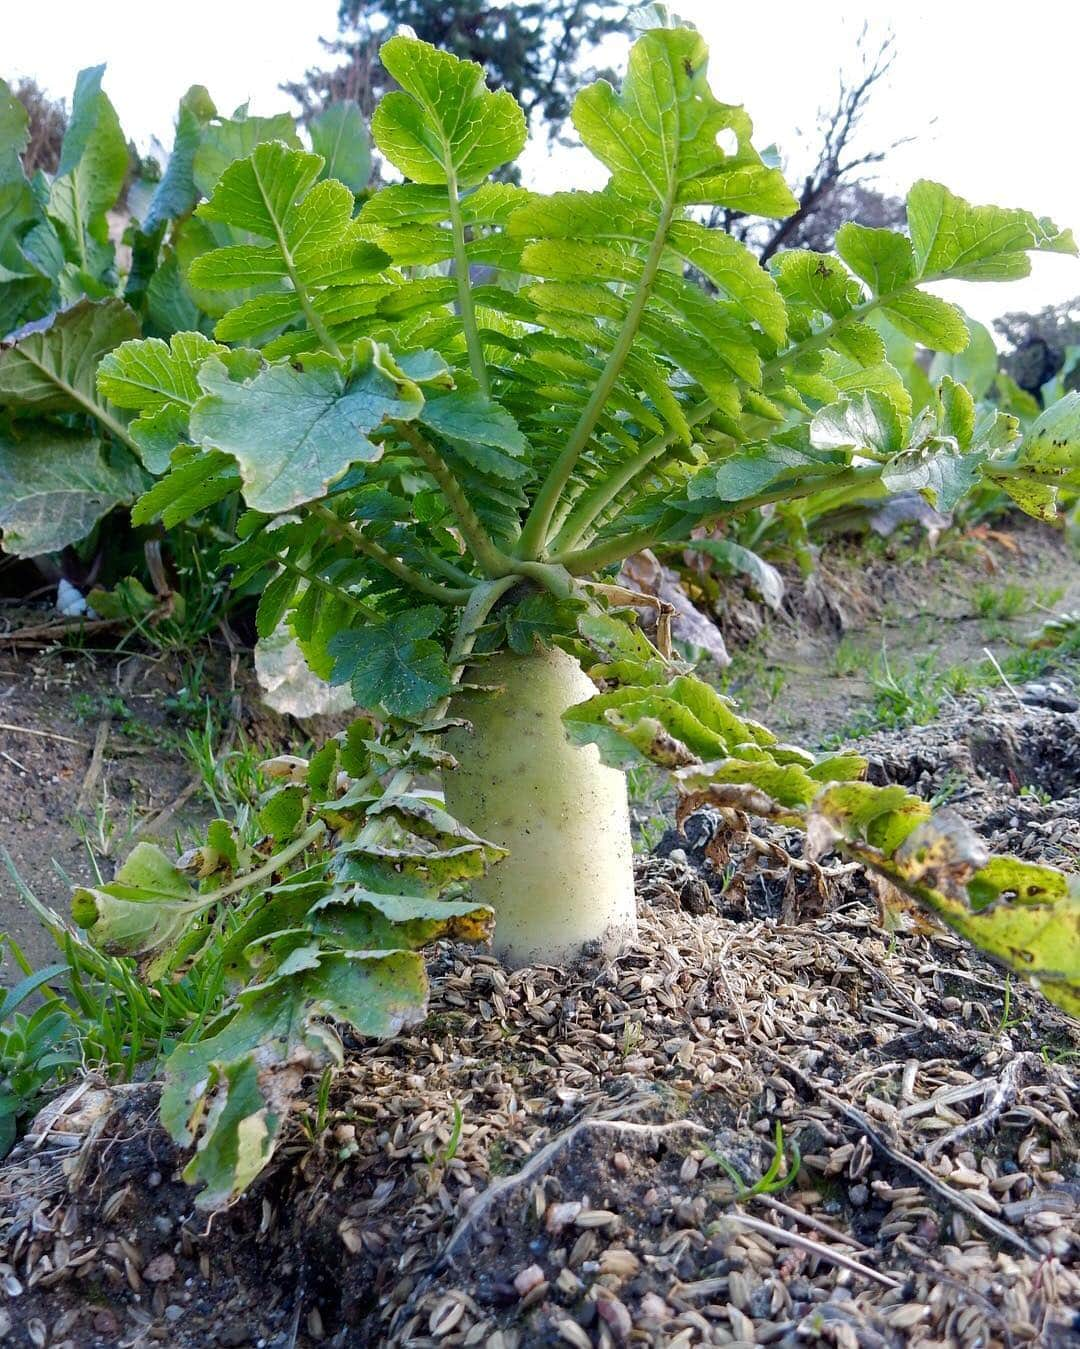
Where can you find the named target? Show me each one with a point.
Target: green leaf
(952, 238)
(93, 164)
(665, 137)
(338, 134)
(444, 126)
(816, 280)
(314, 242)
(942, 473)
(754, 469)
(928, 319)
(55, 485)
(176, 193)
(870, 422)
(144, 909)
(731, 267)
(882, 258)
(975, 364)
(364, 919)
(885, 260)
(231, 1091)
(1026, 916)
(294, 430)
(1047, 458)
(50, 366)
(394, 665)
(224, 142)
(258, 192)
(469, 416)
(14, 134)
(159, 380)
(538, 619)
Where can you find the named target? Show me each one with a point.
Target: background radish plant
(449, 416)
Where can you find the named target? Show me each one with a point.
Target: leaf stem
(611, 550)
(464, 285)
(492, 559)
(342, 529)
(274, 863)
(601, 494)
(534, 534)
(607, 489)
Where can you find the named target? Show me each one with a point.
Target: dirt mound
(540, 1164)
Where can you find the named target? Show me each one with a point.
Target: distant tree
(48, 122)
(1039, 342)
(539, 50)
(835, 188)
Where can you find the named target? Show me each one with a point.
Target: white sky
(987, 88)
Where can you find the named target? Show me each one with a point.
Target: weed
(632, 1035)
(778, 1176)
(647, 793)
(446, 1154)
(950, 785)
(1007, 603)
(847, 658)
(1006, 1022)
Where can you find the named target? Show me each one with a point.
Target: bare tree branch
(835, 189)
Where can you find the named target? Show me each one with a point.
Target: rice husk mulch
(565, 1156)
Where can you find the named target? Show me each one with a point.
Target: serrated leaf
(942, 473)
(928, 320)
(870, 422)
(195, 481)
(754, 469)
(231, 1091)
(535, 621)
(394, 665)
(49, 366)
(666, 138)
(150, 374)
(1053, 440)
(444, 125)
(224, 142)
(312, 241)
(294, 431)
(55, 485)
(952, 238)
(481, 431)
(364, 919)
(1024, 915)
(730, 266)
(974, 364)
(816, 280)
(274, 603)
(882, 258)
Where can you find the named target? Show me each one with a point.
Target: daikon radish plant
(450, 414)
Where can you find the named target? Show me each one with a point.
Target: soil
(893, 606)
(546, 1159)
